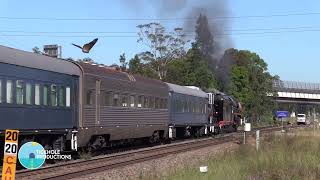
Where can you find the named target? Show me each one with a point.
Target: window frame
(10, 100)
(130, 101)
(61, 96)
(35, 94)
(118, 99)
(89, 102)
(53, 101)
(47, 87)
(140, 97)
(126, 102)
(29, 99)
(109, 101)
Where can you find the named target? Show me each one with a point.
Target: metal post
(281, 124)
(257, 139)
(244, 132)
(282, 128)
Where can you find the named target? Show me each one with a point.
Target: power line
(190, 35)
(157, 19)
(134, 32)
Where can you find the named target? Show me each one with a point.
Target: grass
(280, 157)
(85, 155)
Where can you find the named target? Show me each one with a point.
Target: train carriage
(38, 96)
(119, 106)
(188, 111)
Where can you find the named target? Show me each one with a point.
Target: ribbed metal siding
(117, 116)
(89, 116)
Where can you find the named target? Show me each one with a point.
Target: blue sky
(291, 55)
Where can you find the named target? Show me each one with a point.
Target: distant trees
(36, 50)
(122, 60)
(163, 47)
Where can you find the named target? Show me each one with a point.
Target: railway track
(77, 168)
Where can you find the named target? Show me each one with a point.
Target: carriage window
(157, 103)
(151, 102)
(37, 94)
(165, 104)
(45, 95)
(89, 97)
(132, 101)
(124, 100)
(185, 105)
(146, 102)
(115, 99)
(108, 98)
(161, 103)
(19, 91)
(0, 91)
(9, 92)
(54, 97)
(28, 93)
(140, 101)
(193, 107)
(62, 96)
(68, 97)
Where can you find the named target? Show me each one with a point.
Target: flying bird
(87, 47)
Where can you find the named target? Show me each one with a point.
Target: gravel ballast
(162, 166)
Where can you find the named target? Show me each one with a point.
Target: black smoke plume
(216, 12)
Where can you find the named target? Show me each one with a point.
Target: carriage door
(97, 101)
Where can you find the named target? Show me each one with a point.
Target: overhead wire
(157, 19)
(124, 36)
(134, 32)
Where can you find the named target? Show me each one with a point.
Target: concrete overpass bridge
(298, 97)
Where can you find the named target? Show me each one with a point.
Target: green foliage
(191, 70)
(36, 50)
(163, 47)
(137, 67)
(122, 60)
(251, 84)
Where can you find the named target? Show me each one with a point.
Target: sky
(286, 33)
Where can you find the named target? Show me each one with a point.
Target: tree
(123, 62)
(205, 42)
(36, 50)
(135, 65)
(251, 83)
(163, 47)
(224, 67)
(191, 70)
(87, 59)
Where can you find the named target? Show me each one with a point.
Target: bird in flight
(87, 47)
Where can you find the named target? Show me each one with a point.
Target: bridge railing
(298, 87)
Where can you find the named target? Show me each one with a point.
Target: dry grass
(283, 157)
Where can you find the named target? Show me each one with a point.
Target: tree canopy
(163, 47)
(251, 83)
